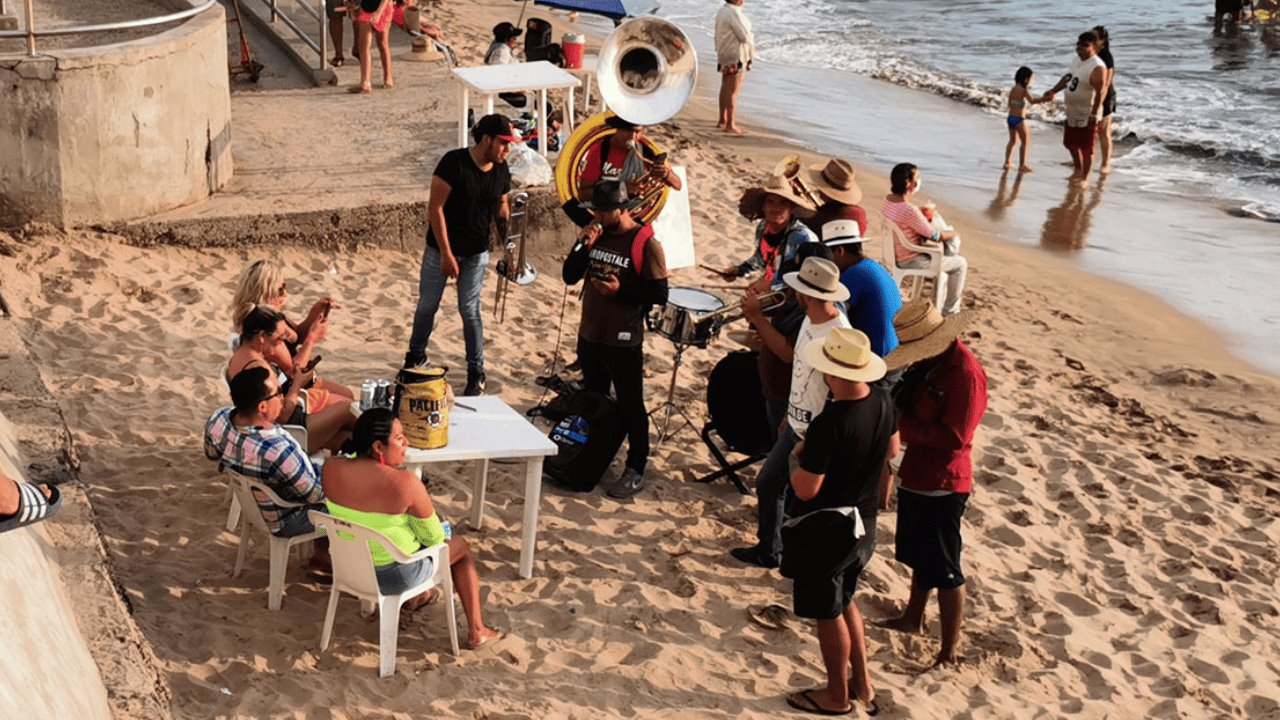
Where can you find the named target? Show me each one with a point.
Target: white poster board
(674, 226)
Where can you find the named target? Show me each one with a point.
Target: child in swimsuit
(1019, 98)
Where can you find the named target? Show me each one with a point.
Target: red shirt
(938, 422)
(592, 170)
(837, 211)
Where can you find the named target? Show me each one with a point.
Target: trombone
(513, 268)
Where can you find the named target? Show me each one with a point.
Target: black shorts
(928, 538)
(331, 9)
(825, 598)
(1221, 7)
(1109, 103)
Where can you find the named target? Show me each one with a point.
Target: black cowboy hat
(610, 195)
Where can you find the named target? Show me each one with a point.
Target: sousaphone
(646, 73)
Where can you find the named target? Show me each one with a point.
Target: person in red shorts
(1084, 84)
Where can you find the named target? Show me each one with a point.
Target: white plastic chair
(279, 546)
(298, 432)
(893, 235)
(353, 573)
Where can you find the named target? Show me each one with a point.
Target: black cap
(617, 122)
(504, 31)
(494, 125)
(610, 195)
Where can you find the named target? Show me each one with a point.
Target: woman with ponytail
(263, 330)
(372, 488)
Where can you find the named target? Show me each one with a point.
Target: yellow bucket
(423, 399)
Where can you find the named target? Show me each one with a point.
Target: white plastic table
(489, 80)
(588, 71)
(494, 430)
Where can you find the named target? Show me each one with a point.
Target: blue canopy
(615, 9)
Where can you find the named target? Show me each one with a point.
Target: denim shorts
(398, 577)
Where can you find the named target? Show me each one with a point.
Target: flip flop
(338, 61)
(769, 617)
(488, 640)
(33, 506)
(428, 598)
(804, 702)
(868, 706)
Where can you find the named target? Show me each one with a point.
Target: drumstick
(741, 288)
(708, 268)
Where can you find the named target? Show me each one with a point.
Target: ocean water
(1198, 113)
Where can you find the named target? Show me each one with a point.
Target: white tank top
(1080, 92)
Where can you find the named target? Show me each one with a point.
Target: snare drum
(678, 319)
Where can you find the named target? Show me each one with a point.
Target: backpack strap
(643, 236)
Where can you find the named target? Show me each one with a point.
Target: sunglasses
(272, 396)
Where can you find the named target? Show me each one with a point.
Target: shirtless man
(1084, 84)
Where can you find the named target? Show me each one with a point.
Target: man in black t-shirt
(835, 493)
(626, 272)
(468, 194)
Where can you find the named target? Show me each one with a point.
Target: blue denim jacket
(796, 235)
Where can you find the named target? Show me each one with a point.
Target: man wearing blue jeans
(468, 193)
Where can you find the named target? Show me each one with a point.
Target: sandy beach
(1121, 542)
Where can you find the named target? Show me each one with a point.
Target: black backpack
(588, 437)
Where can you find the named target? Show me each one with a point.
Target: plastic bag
(528, 168)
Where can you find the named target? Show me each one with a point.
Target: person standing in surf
(1019, 98)
(1085, 84)
(1108, 100)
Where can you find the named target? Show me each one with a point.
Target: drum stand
(670, 406)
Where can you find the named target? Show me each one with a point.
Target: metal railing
(320, 44)
(30, 33)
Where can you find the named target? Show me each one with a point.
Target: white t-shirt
(499, 54)
(1080, 92)
(735, 43)
(808, 390)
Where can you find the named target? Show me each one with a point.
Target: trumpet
(768, 303)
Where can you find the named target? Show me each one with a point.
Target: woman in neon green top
(373, 489)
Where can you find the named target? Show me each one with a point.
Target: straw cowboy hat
(923, 332)
(751, 205)
(845, 353)
(834, 179)
(818, 278)
(841, 232)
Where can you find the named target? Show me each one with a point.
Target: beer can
(448, 530)
(383, 393)
(366, 394)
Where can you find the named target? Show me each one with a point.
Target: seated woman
(262, 283)
(373, 489)
(905, 182)
(779, 234)
(262, 344)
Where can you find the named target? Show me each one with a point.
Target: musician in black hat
(626, 272)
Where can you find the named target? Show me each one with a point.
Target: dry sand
(1121, 541)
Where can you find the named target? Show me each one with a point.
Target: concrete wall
(46, 670)
(116, 132)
